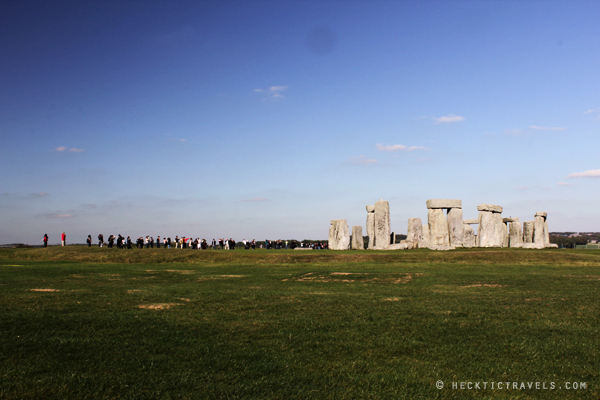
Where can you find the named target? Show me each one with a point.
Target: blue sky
(267, 119)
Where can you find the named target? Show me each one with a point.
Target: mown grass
(296, 324)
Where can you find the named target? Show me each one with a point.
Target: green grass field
(79, 323)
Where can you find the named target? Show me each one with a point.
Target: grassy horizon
(82, 322)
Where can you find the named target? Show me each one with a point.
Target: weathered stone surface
(532, 246)
(401, 246)
(492, 230)
(456, 228)
(551, 246)
(415, 230)
(371, 226)
(357, 238)
(505, 236)
(382, 224)
(489, 207)
(468, 236)
(438, 228)
(546, 233)
(443, 203)
(424, 243)
(528, 231)
(538, 230)
(471, 221)
(339, 235)
(515, 233)
(509, 219)
(541, 214)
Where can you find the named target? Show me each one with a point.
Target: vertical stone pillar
(438, 229)
(492, 230)
(528, 231)
(468, 236)
(382, 224)
(424, 242)
(357, 238)
(456, 227)
(339, 235)
(515, 233)
(371, 226)
(539, 226)
(415, 230)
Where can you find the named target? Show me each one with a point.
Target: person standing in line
(169, 242)
(100, 240)
(151, 242)
(165, 243)
(89, 240)
(214, 244)
(146, 242)
(128, 242)
(45, 240)
(158, 242)
(286, 244)
(253, 244)
(63, 238)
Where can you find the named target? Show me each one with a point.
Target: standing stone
(438, 229)
(371, 226)
(528, 231)
(382, 224)
(456, 227)
(415, 230)
(538, 230)
(492, 230)
(357, 238)
(515, 233)
(468, 236)
(339, 235)
(424, 242)
(505, 237)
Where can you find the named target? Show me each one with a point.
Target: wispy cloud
(522, 188)
(172, 138)
(513, 131)
(58, 215)
(255, 199)
(591, 110)
(564, 184)
(448, 118)
(592, 173)
(361, 160)
(273, 93)
(72, 149)
(544, 128)
(42, 194)
(398, 147)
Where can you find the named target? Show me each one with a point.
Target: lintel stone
(489, 207)
(471, 221)
(541, 214)
(444, 203)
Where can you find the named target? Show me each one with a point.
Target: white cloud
(592, 173)
(255, 199)
(272, 93)
(448, 118)
(543, 128)
(361, 160)
(398, 147)
(591, 111)
(564, 184)
(72, 149)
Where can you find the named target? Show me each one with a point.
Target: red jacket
(63, 237)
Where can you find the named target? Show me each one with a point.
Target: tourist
(214, 244)
(158, 242)
(169, 241)
(89, 240)
(151, 242)
(128, 242)
(253, 244)
(164, 242)
(45, 240)
(100, 240)
(63, 238)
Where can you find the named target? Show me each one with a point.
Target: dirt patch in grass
(110, 274)
(350, 277)
(133, 291)
(43, 290)
(494, 285)
(181, 271)
(392, 299)
(219, 277)
(158, 306)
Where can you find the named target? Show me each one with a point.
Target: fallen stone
(400, 246)
(456, 228)
(532, 246)
(551, 246)
(339, 235)
(489, 207)
(471, 221)
(357, 238)
(443, 203)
